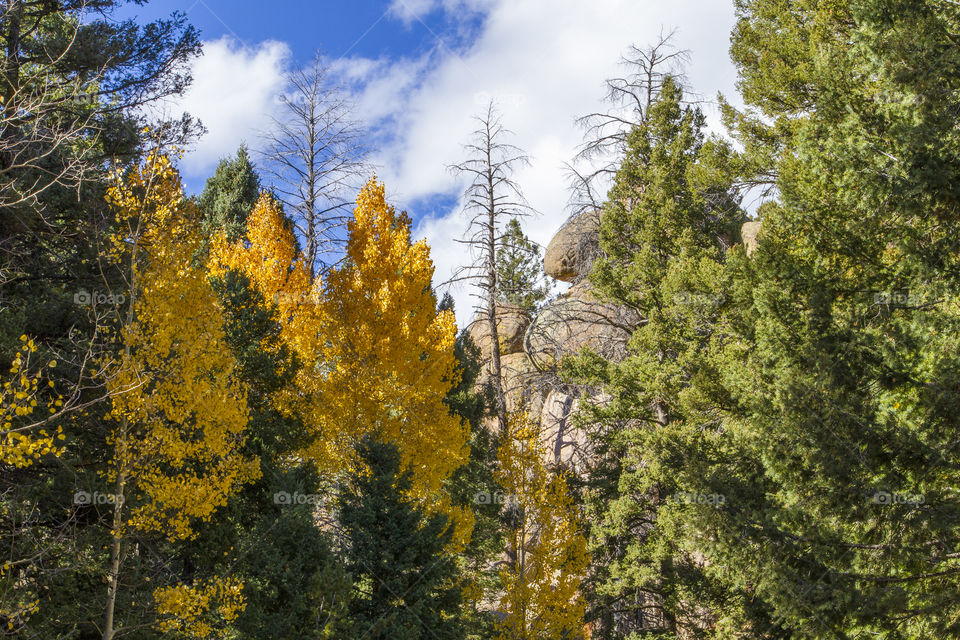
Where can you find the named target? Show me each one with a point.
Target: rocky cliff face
(531, 348)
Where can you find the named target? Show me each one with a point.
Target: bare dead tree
(629, 98)
(489, 201)
(314, 157)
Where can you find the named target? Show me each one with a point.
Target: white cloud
(380, 86)
(410, 10)
(545, 62)
(234, 92)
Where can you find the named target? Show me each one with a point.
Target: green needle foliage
(294, 585)
(474, 488)
(670, 215)
(790, 473)
(840, 384)
(229, 196)
(520, 277)
(405, 584)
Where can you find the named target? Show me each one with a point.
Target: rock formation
(570, 253)
(512, 323)
(577, 320)
(749, 234)
(532, 348)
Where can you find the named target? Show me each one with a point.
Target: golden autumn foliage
(178, 408)
(389, 353)
(269, 257)
(197, 611)
(548, 552)
(22, 441)
(376, 355)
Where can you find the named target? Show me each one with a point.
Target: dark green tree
(474, 487)
(229, 196)
(664, 230)
(806, 449)
(520, 277)
(405, 583)
(75, 82)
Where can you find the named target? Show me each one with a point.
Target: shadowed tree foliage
(405, 581)
(76, 84)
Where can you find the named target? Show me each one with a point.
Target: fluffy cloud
(234, 92)
(544, 62)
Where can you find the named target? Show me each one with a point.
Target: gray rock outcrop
(749, 234)
(512, 323)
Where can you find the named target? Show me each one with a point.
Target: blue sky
(420, 70)
(364, 28)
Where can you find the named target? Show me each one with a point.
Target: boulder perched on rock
(512, 323)
(571, 251)
(749, 234)
(579, 320)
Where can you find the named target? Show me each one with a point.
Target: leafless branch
(314, 157)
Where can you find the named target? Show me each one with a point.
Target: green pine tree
(664, 230)
(839, 383)
(405, 582)
(229, 196)
(474, 487)
(520, 277)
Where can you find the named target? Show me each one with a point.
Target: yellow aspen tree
(193, 611)
(546, 548)
(178, 411)
(270, 258)
(388, 354)
(377, 356)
